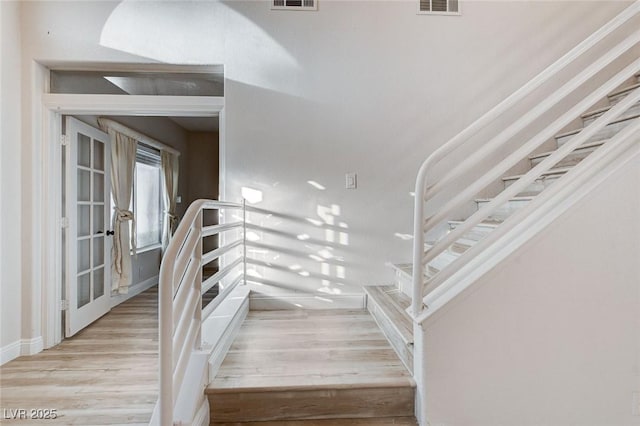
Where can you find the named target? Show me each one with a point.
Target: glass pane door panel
(98, 187)
(84, 150)
(84, 289)
(84, 185)
(83, 255)
(84, 220)
(98, 283)
(98, 251)
(98, 220)
(98, 155)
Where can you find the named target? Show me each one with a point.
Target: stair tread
(551, 172)
(576, 131)
(228, 387)
(394, 303)
(521, 198)
(581, 147)
(385, 421)
(606, 108)
(624, 89)
(485, 223)
(309, 349)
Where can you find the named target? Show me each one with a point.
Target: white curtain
(169, 162)
(123, 163)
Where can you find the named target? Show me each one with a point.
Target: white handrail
(442, 285)
(490, 116)
(523, 182)
(618, 144)
(180, 296)
(544, 166)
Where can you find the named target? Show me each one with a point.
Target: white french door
(88, 236)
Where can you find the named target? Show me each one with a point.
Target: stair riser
(504, 211)
(536, 187)
(569, 161)
(312, 404)
(476, 234)
(402, 349)
(631, 112)
(605, 133)
(404, 283)
(614, 99)
(442, 260)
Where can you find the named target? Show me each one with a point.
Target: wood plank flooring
(107, 374)
(303, 365)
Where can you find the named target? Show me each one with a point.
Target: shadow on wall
(194, 33)
(298, 254)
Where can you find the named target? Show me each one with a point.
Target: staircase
(337, 367)
(389, 304)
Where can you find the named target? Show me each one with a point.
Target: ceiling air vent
(294, 4)
(439, 7)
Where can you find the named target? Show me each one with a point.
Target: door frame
(46, 129)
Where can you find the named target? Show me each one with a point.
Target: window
(294, 4)
(439, 7)
(148, 205)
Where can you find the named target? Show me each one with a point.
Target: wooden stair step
(542, 182)
(506, 209)
(300, 365)
(591, 116)
(606, 132)
(476, 233)
(618, 95)
(571, 159)
(310, 403)
(548, 173)
(388, 306)
(385, 421)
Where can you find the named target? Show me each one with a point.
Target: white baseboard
(10, 351)
(134, 290)
(21, 347)
(226, 339)
(266, 302)
(31, 346)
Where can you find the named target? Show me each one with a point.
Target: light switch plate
(351, 180)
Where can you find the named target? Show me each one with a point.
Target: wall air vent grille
(439, 7)
(294, 4)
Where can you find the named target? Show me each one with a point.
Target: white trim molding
(10, 352)
(134, 290)
(20, 347)
(162, 106)
(31, 346)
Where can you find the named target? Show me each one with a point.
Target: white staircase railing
(426, 290)
(181, 288)
(426, 191)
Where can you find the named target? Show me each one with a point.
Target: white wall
(10, 190)
(371, 88)
(203, 174)
(366, 87)
(552, 335)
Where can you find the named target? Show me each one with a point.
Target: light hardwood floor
(288, 367)
(105, 375)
